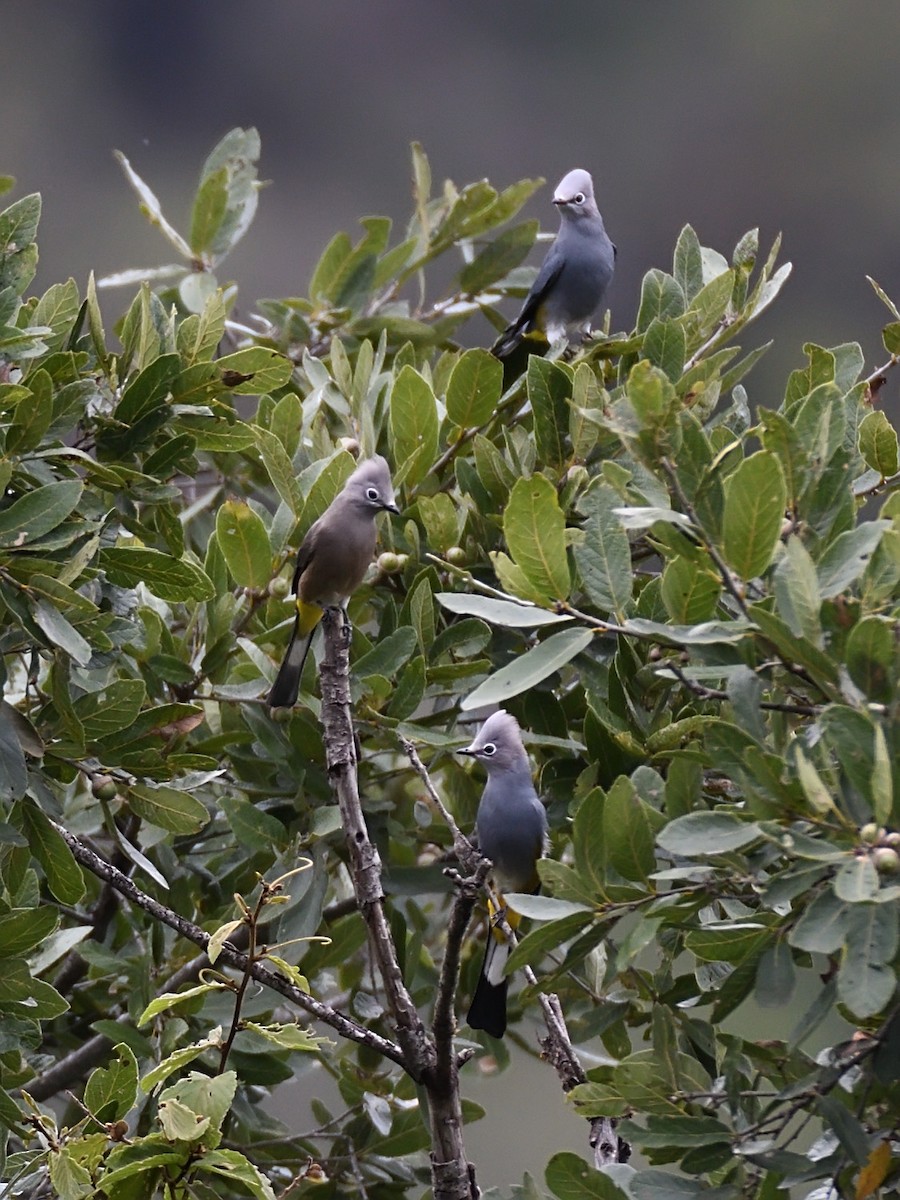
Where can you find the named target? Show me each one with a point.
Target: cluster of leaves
(680, 601)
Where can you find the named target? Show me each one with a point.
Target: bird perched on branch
(572, 282)
(512, 830)
(331, 564)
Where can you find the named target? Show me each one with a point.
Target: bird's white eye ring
(579, 198)
(372, 494)
(488, 748)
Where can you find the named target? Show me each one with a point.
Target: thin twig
(558, 1050)
(691, 513)
(705, 693)
(340, 757)
(340, 1023)
(452, 1176)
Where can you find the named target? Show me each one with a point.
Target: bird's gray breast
(511, 827)
(588, 262)
(343, 549)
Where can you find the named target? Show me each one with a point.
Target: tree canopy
(689, 602)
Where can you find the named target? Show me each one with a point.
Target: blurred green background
(727, 115)
(771, 113)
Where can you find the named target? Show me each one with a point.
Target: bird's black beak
(391, 508)
(467, 750)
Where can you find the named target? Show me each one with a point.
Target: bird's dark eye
(372, 494)
(488, 749)
(579, 198)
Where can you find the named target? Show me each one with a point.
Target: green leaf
(850, 1133)
(64, 877)
(665, 346)
(498, 258)
(603, 557)
(13, 773)
(543, 908)
(251, 826)
(167, 807)
(32, 416)
(689, 590)
(535, 530)
(180, 1123)
(796, 587)
(254, 370)
(530, 668)
(688, 263)
(549, 392)
(856, 880)
(224, 209)
(180, 1058)
(171, 579)
(499, 612)
(110, 709)
(37, 512)
(21, 929)
(627, 834)
(705, 833)
(866, 982)
(870, 658)
(661, 297)
(441, 518)
(814, 788)
(18, 252)
(569, 1177)
(279, 468)
(663, 1185)
(775, 976)
(235, 1167)
(822, 927)
(474, 388)
(244, 543)
(414, 426)
(209, 210)
(877, 441)
(407, 695)
(755, 501)
(388, 655)
(111, 1091)
(290, 1036)
(69, 1178)
(731, 942)
(150, 206)
(61, 633)
(846, 558)
(170, 1000)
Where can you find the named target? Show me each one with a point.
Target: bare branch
(366, 868)
(558, 1050)
(337, 1021)
(452, 1176)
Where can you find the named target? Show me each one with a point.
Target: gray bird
(331, 563)
(572, 282)
(512, 832)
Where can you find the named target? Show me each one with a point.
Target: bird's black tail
(488, 1008)
(286, 688)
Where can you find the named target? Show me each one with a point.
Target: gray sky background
(781, 115)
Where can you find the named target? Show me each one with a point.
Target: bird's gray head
(574, 196)
(499, 744)
(370, 486)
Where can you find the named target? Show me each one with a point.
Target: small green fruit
(389, 563)
(869, 833)
(103, 787)
(279, 587)
(457, 556)
(886, 860)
